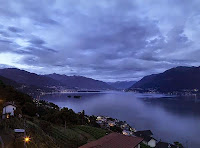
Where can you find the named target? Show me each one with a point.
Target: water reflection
(170, 118)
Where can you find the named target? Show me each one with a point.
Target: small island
(77, 97)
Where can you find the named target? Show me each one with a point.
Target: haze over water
(170, 118)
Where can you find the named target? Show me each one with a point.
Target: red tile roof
(114, 140)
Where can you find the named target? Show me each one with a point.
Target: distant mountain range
(27, 78)
(23, 87)
(26, 81)
(121, 85)
(80, 82)
(175, 79)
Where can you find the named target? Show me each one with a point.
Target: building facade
(8, 110)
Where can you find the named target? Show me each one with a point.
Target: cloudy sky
(104, 39)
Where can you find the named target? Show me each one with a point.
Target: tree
(93, 121)
(178, 144)
(18, 111)
(116, 129)
(29, 109)
(45, 126)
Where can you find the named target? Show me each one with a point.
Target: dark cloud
(39, 50)
(5, 41)
(4, 33)
(37, 41)
(108, 40)
(47, 21)
(15, 29)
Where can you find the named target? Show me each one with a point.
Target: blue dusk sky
(109, 40)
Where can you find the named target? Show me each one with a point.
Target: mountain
(175, 79)
(9, 82)
(122, 84)
(24, 88)
(25, 81)
(8, 93)
(27, 78)
(80, 82)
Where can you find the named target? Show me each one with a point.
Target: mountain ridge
(80, 82)
(174, 79)
(28, 78)
(122, 85)
(52, 81)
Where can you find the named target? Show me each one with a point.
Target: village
(122, 127)
(119, 131)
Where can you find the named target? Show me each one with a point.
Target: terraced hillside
(51, 137)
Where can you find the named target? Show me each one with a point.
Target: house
(115, 140)
(19, 133)
(101, 118)
(111, 123)
(165, 145)
(147, 136)
(125, 125)
(126, 132)
(8, 109)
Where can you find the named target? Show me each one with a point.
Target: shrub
(29, 109)
(45, 126)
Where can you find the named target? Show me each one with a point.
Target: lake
(170, 118)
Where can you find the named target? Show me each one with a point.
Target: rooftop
(9, 103)
(165, 145)
(19, 130)
(114, 140)
(145, 132)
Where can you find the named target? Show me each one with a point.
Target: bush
(45, 126)
(142, 145)
(29, 109)
(95, 132)
(116, 129)
(178, 144)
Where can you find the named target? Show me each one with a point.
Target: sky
(109, 40)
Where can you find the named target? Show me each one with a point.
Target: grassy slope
(96, 133)
(72, 137)
(55, 137)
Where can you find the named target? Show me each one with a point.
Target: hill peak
(175, 79)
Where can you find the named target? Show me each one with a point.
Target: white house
(147, 137)
(150, 142)
(8, 110)
(101, 118)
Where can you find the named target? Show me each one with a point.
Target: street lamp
(27, 139)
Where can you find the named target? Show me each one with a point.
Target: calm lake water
(170, 118)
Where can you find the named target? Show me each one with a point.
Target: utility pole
(2, 144)
(24, 135)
